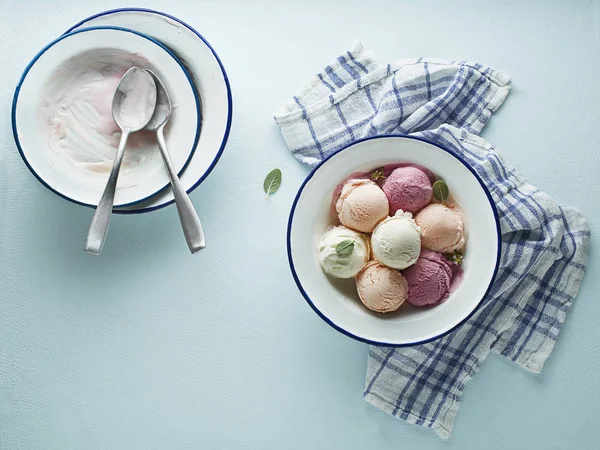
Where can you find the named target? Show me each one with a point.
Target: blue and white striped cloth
(544, 245)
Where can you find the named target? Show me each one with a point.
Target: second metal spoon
(192, 229)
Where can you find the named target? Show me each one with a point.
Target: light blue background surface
(147, 347)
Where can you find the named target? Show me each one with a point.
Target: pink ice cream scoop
(442, 228)
(381, 288)
(408, 189)
(429, 279)
(362, 205)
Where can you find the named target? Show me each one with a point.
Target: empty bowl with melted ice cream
(63, 124)
(210, 78)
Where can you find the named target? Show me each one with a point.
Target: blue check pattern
(544, 245)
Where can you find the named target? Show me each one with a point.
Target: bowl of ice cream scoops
(394, 240)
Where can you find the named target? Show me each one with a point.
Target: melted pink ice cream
(99, 96)
(75, 113)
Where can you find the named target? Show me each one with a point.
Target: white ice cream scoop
(396, 241)
(132, 108)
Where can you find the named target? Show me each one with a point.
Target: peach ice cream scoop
(381, 288)
(361, 205)
(442, 228)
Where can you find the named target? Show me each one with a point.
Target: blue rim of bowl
(84, 30)
(329, 321)
(225, 79)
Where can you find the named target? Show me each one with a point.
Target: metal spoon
(192, 229)
(132, 107)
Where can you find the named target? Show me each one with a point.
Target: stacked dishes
(61, 109)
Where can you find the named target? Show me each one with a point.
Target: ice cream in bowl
(63, 124)
(394, 240)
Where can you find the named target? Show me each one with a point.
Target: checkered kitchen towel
(544, 245)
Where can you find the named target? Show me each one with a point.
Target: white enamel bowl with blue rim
(336, 301)
(78, 171)
(210, 79)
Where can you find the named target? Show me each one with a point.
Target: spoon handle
(192, 229)
(99, 226)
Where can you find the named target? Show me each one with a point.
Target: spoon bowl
(134, 100)
(162, 111)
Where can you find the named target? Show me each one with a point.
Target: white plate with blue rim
(210, 79)
(62, 120)
(336, 301)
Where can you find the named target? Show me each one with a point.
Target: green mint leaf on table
(377, 176)
(272, 182)
(345, 247)
(440, 191)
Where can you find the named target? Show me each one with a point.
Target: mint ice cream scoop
(347, 263)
